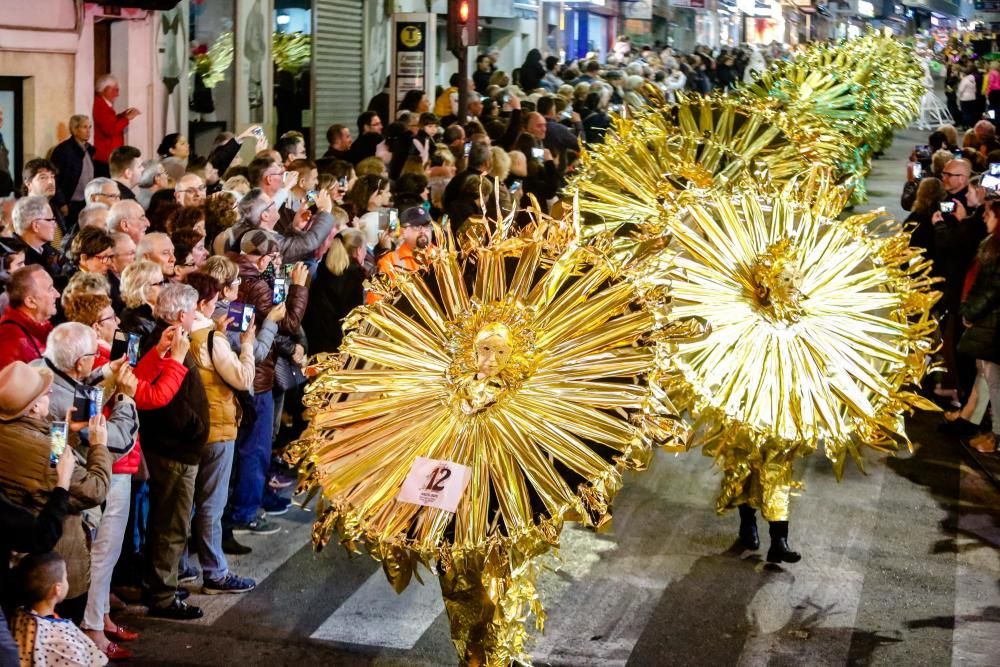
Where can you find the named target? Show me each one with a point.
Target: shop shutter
(339, 66)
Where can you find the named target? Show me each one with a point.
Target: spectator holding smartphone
(223, 373)
(28, 475)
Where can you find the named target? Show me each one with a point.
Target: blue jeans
(253, 458)
(211, 489)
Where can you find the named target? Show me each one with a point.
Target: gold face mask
(493, 346)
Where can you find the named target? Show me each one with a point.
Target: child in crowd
(44, 639)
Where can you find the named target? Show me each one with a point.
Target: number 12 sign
(435, 483)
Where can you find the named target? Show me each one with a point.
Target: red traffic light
(463, 11)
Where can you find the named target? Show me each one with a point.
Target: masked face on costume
(494, 345)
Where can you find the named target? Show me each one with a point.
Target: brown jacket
(27, 479)
(255, 291)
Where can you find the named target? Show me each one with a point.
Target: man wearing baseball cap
(416, 233)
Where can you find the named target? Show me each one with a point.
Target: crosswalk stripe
(376, 616)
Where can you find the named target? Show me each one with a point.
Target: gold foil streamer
(546, 431)
(818, 326)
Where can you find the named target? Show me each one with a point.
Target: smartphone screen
(393, 220)
(515, 186)
(947, 207)
(990, 182)
(538, 153)
(258, 132)
(248, 312)
(58, 432)
(923, 152)
(133, 349)
(96, 401)
(918, 171)
(991, 114)
(383, 219)
(280, 291)
(468, 147)
(994, 169)
(238, 311)
(343, 181)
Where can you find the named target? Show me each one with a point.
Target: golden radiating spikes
(533, 381)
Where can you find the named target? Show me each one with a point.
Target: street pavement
(900, 567)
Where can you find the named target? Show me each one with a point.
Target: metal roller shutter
(338, 66)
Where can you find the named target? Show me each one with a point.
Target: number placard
(435, 483)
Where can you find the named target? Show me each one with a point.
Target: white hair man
(173, 440)
(109, 126)
(159, 249)
(258, 211)
(34, 231)
(190, 190)
(102, 190)
(128, 217)
(94, 215)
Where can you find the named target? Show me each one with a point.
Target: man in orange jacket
(415, 230)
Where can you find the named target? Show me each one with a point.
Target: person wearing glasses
(70, 356)
(93, 250)
(190, 190)
(26, 324)
(35, 232)
(102, 191)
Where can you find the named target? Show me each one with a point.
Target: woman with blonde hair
(499, 163)
(141, 284)
(337, 289)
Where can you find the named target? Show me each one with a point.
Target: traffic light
(463, 23)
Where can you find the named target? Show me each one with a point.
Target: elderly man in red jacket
(109, 126)
(25, 325)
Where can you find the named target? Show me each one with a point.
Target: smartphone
(258, 132)
(343, 181)
(280, 291)
(468, 147)
(288, 269)
(241, 313)
(81, 404)
(990, 182)
(132, 351)
(58, 433)
(994, 169)
(311, 197)
(566, 115)
(947, 207)
(538, 154)
(958, 153)
(991, 114)
(515, 186)
(387, 217)
(923, 152)
(918, 171)
(96, 401)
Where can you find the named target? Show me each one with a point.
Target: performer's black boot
(779, 551)
(748, 527)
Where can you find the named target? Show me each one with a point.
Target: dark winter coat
(981, 308)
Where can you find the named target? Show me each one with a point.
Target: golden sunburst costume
(521, 363)
(819, 326)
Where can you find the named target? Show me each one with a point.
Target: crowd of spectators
(951, 194)
(157, 312)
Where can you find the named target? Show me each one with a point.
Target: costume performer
(818, 324)
(519, 362)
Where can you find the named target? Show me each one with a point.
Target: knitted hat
(20, 386)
